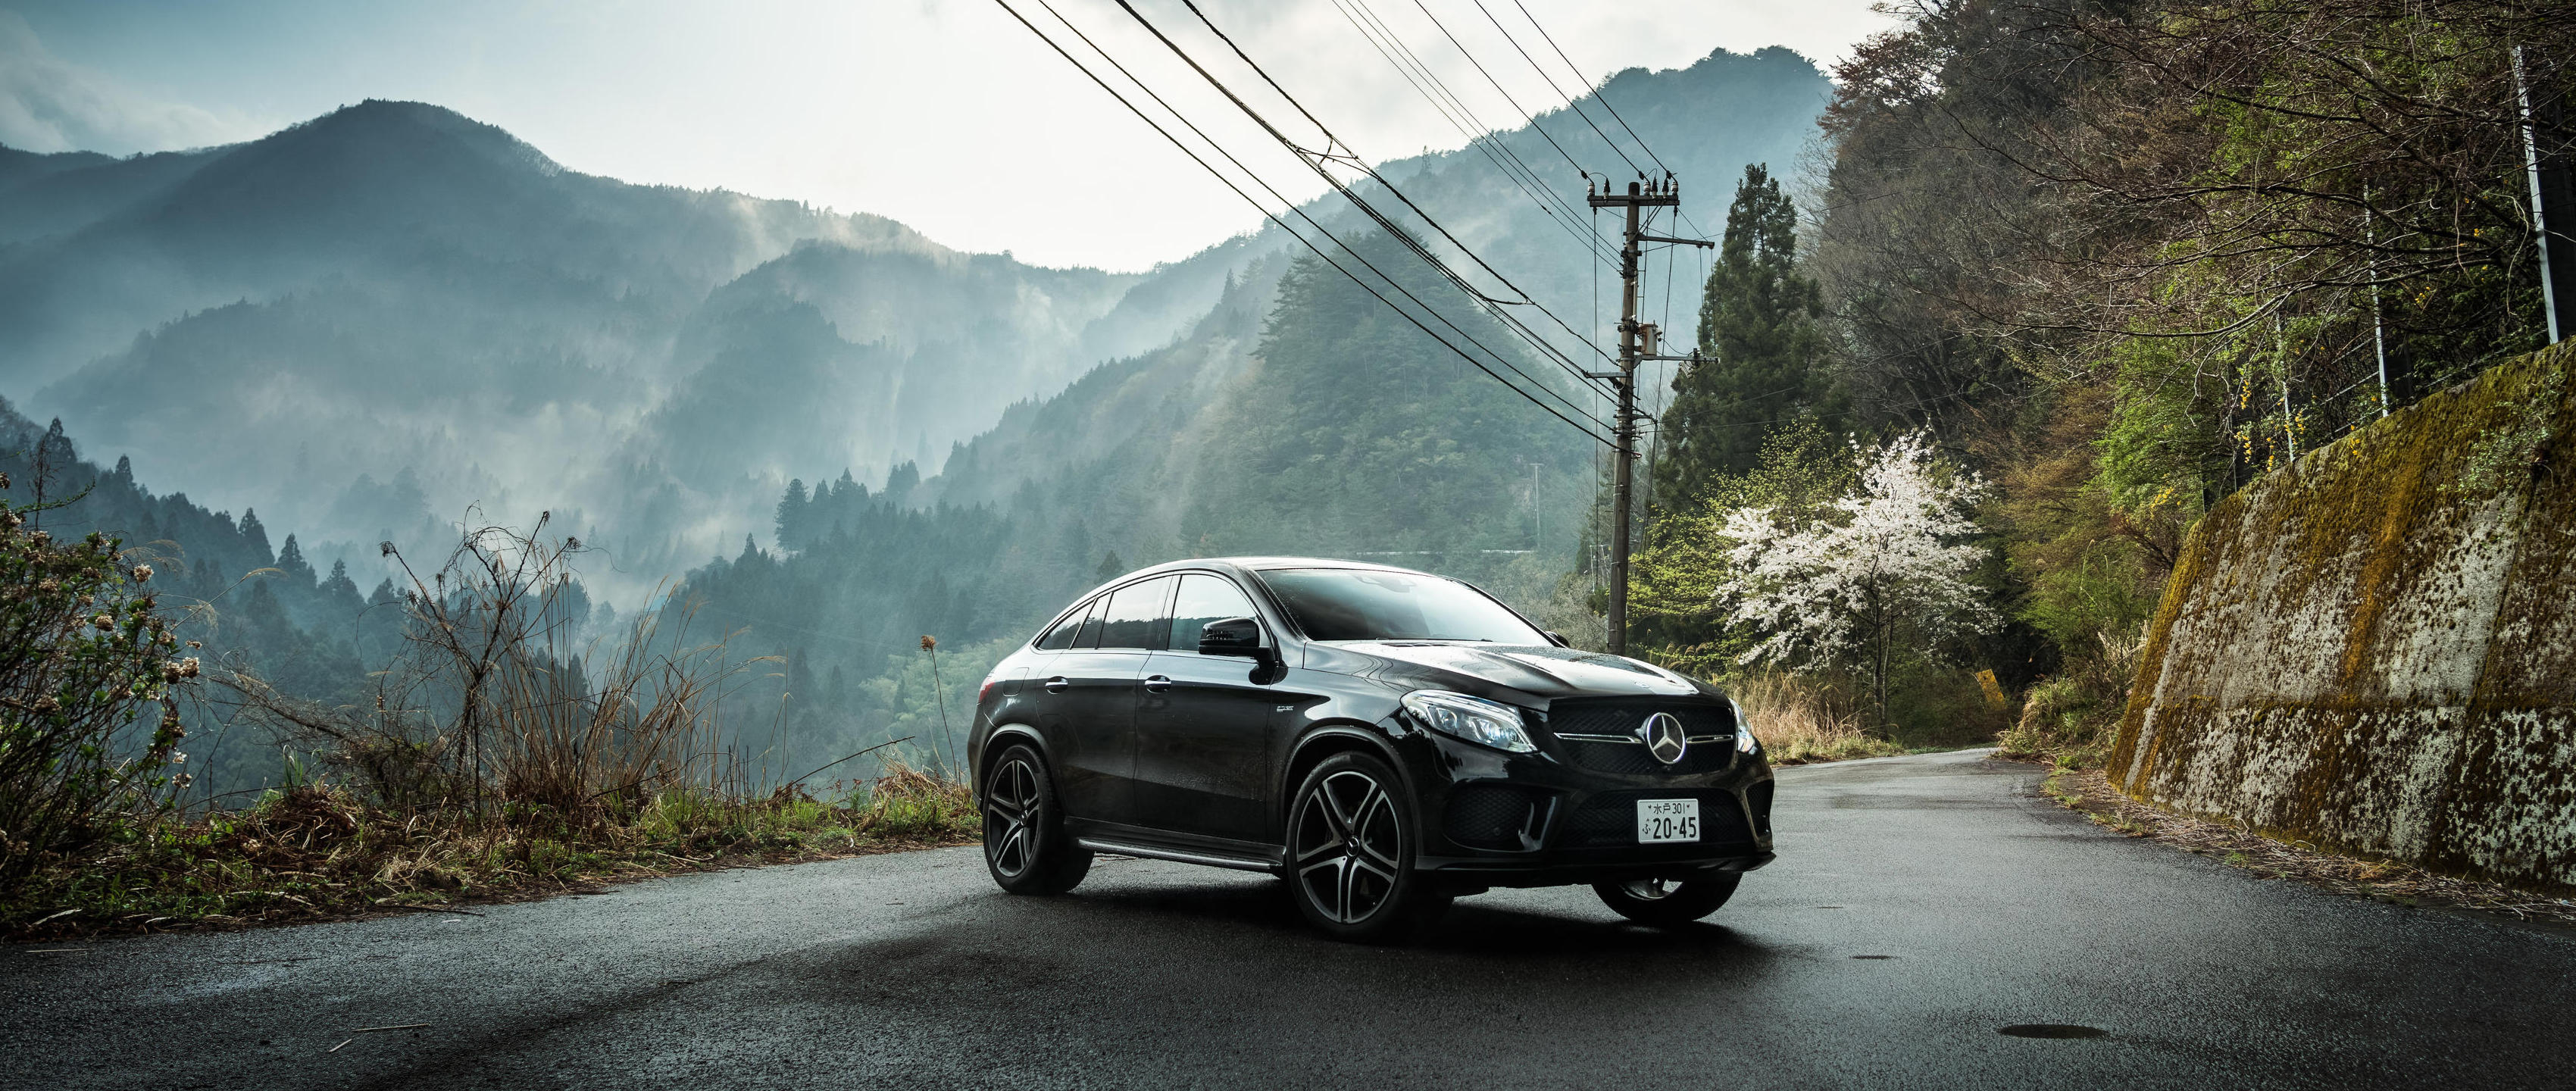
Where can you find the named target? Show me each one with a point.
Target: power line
(1599, 94)
(1488, 304)
(1310, 221)
(1315, 161)
(1477, 133)
(1273, 218)
(1569, 99)
(1498, 86)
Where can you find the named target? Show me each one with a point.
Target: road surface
(1919, 905)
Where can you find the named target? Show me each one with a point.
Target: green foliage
(83, 655)
(1362, 435)
(2073, 718)
(1677, 576)
(1761, 344)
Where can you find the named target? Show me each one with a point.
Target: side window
(1204, 599)
(1061, 637)
(1136, 616)
(1089, 636)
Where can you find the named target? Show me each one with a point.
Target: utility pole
(2553, 195)
(1666, 193)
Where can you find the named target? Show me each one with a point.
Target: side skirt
(1210, 857)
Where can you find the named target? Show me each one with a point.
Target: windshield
(1359, 604)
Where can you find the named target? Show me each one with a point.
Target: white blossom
(1839, 587)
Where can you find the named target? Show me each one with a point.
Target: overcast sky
(946, 115)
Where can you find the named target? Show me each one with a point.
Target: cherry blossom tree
(1886, 561)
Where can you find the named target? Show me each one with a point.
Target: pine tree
(1759, 344)
(340, 586)
(791, 515)
(256, 537)
(1110, 567)
(290, 560)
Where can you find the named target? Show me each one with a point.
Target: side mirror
(1238, 636)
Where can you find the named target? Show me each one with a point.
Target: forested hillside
(1300, 417)
(2111, 262)
(393, 288)
(243, 599)
(393, 321)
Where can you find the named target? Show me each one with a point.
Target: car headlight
(1474, 719)
(1745, 743)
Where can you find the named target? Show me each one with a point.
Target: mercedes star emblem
(1663, 736)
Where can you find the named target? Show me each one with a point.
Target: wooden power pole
(1664, 194)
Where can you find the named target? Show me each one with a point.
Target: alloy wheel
(1011, 817)
(1346, 846)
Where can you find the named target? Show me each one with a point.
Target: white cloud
(50, 105)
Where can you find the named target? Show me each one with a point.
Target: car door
(1092, 692)
(1204, 747)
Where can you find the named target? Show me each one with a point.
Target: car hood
(1540, 672)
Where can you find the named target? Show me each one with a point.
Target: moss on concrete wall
(2374, 648)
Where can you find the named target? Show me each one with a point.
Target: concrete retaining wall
(2375, 648)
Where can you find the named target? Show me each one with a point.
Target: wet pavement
(1920, 908)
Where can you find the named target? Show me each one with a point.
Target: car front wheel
(1666, 903)
(1025, 846)
(1351, 843)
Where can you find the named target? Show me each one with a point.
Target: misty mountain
(396, 288)
(368, 323)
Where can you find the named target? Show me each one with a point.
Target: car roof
(1266, 564)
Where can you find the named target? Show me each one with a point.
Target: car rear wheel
(1666, 903)
(1351, 842)
(1025, 846)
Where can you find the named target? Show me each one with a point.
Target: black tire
(1025, 846)
(1351, 839)
(1666, 904)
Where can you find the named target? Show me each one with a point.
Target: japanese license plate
(1667, 820)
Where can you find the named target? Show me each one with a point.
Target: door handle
(1157, 684)
(1057, 684)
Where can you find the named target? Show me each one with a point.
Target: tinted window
(1204, 599)
(1359, 604)
(1061, 637)
(1090, 634)
(1135, 617)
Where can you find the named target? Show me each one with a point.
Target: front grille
(1610, 818)
(1622, 717)
(1488, 816)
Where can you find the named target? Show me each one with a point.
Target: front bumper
(1491, 818)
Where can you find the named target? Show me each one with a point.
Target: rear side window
(1089, 635)
(1136, 616)
(1204, 599)
(1061, 637)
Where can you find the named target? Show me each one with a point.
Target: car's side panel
(1204, 748)
(1086, 705)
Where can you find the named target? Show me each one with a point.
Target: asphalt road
(1919, 905)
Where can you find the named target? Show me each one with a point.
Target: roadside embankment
(2372, 649)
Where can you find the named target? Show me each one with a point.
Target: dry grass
(2086, 791)
(501, 757)
(1801, 720)
(318, 853)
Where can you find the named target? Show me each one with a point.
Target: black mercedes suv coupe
(1384, 740)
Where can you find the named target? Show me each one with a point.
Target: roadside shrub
(83, 656)
(501, 706)
(2071, 719)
